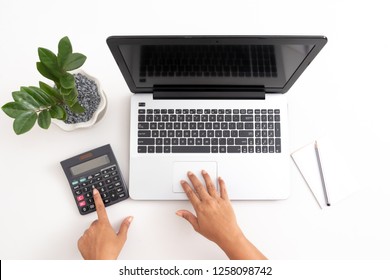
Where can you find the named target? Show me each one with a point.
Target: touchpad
(180, 169)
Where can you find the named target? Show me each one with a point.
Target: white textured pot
(100, 111)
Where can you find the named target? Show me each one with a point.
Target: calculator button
(121, 195)
(74, 183)
(107, 200)
(97, 174)
(110, 187)
(113, 168)
(105, 171)
(100, 184)
(90, 200)
(118, 190)
(78, 192)
(86, 189)
(92, 206)
(113, 196)
(82, 203)
(104, 195)
(84, 209)
(80, 198)
(82, 180)
(88, 195)
(89, 177)
(106, 176)
(114, 173)
(108, 181)
(117, 184)
(116, 178)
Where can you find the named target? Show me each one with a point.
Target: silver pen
(322, 175)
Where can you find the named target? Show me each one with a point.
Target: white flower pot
(100, 111)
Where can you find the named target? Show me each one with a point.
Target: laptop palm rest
(180, 169)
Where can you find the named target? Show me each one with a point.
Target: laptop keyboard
(209, 131)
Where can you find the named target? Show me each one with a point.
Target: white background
(348, 80)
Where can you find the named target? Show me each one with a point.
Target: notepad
(344, 164)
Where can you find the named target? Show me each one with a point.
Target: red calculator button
(82, 203)
(80, 198)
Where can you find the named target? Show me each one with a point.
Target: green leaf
(77, 108)
(57, 112)
(64, 50)
(36, 96)
(44, 95)
(66, 91)
(67, 81)
(15, 109)
(25, 98)
(49, 59)
(25, 122)
(74, 61)
(45, 72)
(44, 119)
(53, 92)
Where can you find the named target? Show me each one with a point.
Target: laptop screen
(272, 62)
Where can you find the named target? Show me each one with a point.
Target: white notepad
(340, 164)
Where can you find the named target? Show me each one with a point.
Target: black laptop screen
(203, 61)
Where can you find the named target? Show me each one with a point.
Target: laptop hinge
(208, 92)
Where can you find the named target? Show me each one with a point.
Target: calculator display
(89, 165)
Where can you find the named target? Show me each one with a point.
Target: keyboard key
(246, 133)
(233, 149)
(141, 149)
(145, 141)
(190, 149)
(277, 130)
(144, 133)
(247, 118)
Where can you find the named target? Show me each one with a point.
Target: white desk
(38, 217)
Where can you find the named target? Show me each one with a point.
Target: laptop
(211, 102)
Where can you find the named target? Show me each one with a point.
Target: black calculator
(98, 169)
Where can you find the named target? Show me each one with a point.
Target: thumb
(191, 218)
(122, 234)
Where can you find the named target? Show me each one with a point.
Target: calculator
(98, 169)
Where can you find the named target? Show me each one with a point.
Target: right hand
(215, 218)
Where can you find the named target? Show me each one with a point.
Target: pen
(322, 175)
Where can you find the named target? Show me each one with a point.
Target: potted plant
(74, 101)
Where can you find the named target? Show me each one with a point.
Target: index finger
(100, 209)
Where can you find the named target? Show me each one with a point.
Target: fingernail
(189, 173)
(95, 191)
(130, 219)
(182, 182)
(204, 172)
(219, 178)
(179, 213)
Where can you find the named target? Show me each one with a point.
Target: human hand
(100, 241)
(215, 218)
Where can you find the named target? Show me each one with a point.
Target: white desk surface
(349, 78)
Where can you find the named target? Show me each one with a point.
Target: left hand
(100, 241)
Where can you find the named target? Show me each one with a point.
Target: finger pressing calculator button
(80, 198)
